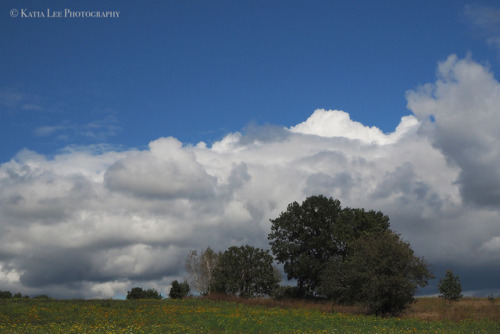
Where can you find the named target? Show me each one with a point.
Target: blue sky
(197, 70)
(125, 142)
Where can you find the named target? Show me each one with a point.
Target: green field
(209, 316)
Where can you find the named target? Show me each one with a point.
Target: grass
(467, 309)
(218, 315)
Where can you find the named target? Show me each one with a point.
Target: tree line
(346, 255)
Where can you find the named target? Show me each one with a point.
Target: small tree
(450, 288)
(246, 271)
(135, 293)
(200, 268)
(139, 293)
(179, 290)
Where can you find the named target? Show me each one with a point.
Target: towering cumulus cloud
(93, 224)
(460, 113)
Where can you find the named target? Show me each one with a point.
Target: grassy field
(429, 315)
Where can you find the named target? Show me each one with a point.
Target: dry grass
(322, 306)
(465, 309)
(427, 309)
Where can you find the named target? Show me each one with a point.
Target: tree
(5, 294)
(305, 237)
(245, 271)
(200, 269)
(139, 293)
(381, 272)
(179, 290)
(450, 287)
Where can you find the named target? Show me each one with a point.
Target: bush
(179, 290)
(139, 293)
(42, 297)
(5, 294)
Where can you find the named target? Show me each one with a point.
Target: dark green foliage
(17, 295)
(135, 293)
(5, 294)
(139, 293)
(179, 290)
(44, 297)
(306, 237)
(245, 271)
(450, 287)
(381, 272)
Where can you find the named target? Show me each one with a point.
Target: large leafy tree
(381, 272)
(200, 268)
(245, 271)
(307, 236)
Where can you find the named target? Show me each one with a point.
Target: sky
(126, 141)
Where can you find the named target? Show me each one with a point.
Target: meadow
(220, 315)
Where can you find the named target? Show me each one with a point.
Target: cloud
(463, 106)
(12, 99)
(48, 130)
(337, 123)
(95, 222)
(166, 171)
(486, 21)
(98, 130)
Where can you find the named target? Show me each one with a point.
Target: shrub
(42, 297)
(139, 293)
(179, 290)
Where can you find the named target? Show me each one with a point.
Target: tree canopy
(179, 290)
(139, 293)
(307, 236)
(381, 272)
(450, 287)
(245, 271)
